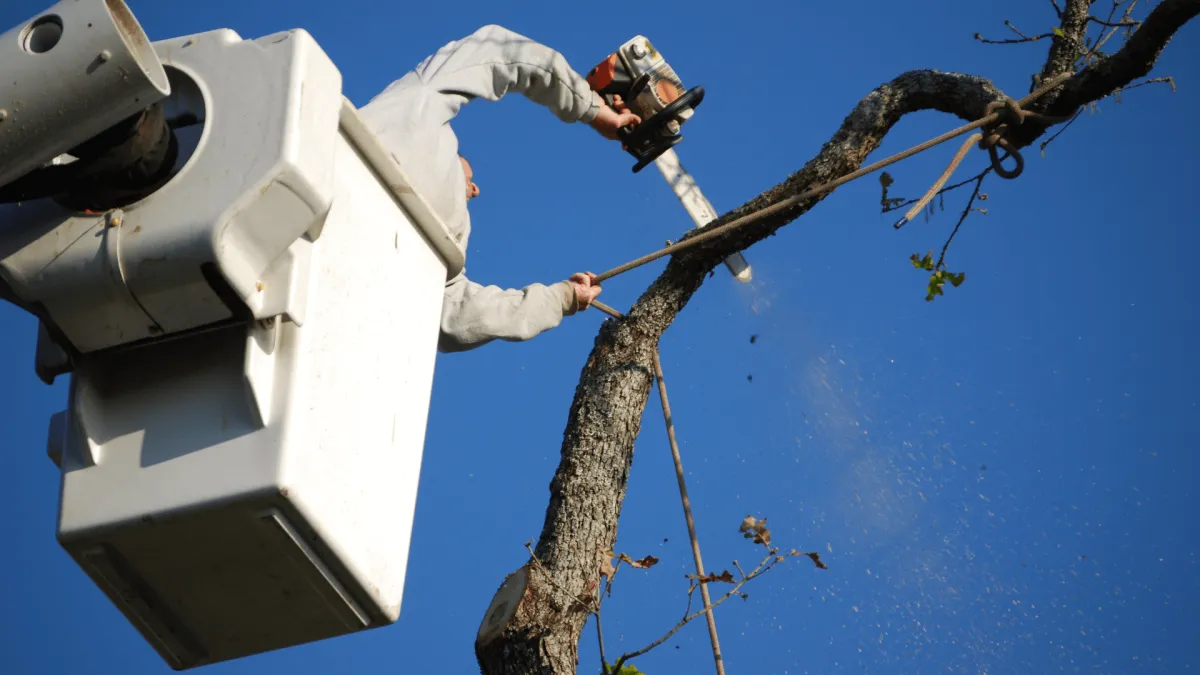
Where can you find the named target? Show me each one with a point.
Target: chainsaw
(641, 79)
(638, 75)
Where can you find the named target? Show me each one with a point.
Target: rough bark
(538, 627)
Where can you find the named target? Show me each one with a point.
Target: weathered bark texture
(534, 625)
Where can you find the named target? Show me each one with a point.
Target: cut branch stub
(503, 607)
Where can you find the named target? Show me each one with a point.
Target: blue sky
(1062, 365)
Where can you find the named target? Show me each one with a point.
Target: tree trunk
(535, 620)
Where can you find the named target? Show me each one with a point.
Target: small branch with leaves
(939, 275)
(1077, 22)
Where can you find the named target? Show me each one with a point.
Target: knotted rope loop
(999, 117)
(1008, 114)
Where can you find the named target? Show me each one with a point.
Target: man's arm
(488, 64)
(474, 315)
(412, 117)
(494, 61)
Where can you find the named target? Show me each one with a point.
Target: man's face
(472, 188)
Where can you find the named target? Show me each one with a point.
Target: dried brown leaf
(756, 529)
(713, 577)
(816, 558)
(644, 563)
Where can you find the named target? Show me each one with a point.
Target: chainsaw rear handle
(646, 133)
(690, 99)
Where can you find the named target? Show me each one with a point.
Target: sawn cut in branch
(530, 628)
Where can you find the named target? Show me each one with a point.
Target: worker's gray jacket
(412, 120)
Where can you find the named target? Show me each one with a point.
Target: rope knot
(1010, 114)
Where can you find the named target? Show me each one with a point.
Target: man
(412, 120)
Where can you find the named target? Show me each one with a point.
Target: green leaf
(626, 669)
(1059, 32)
(925, 263)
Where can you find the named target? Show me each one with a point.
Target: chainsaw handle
(643, 140)
(631, 134)
(692, 98)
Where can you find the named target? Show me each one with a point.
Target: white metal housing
(270, 111)
(243, 482)
(69, 73)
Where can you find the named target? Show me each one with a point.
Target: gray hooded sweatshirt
(412, 120)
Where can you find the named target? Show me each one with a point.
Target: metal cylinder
(68, 74)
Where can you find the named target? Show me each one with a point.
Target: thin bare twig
(1058, 133)
(966, 212)
(739, 569)
(691, 594)
(608, 582)
(1011, 41)
(1057, 9)
(1095, 50)
(600, 637)
(1014, 29)
(1156, 80)
(944, 190)
(771, 558)
(1118, 24)
(1117, 97)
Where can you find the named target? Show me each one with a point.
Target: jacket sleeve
(474, 315)
(494, 61)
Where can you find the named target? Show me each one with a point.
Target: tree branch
(1133, 61)
(528, 629)
(1069, 44)
(1011, 41)
(1022, 37)
(1111, 24)
(1100, 42)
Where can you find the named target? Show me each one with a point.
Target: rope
(998, 118)
(1007, 111)
(683, 495)
(1012, 114)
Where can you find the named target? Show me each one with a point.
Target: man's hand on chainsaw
(608, 120)
(586, 288)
